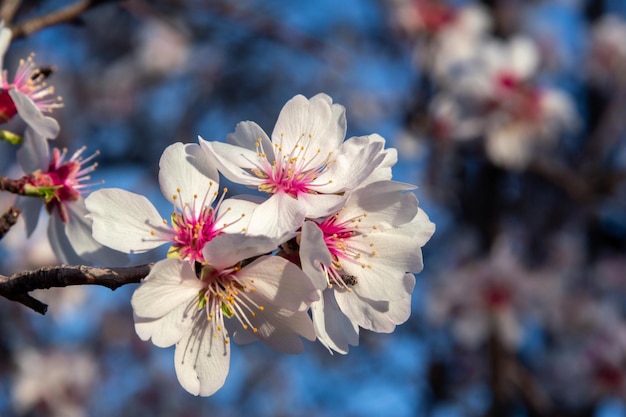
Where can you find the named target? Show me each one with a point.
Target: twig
(17, 286)
(8, 10)
(8, 219)
(65, 15)
(11, 185)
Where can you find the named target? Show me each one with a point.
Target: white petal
(524, 57)
(334, 330)
(125, 221)
(381, 276)
(202, 360)
(181, 179)
(5, 40)
(351, 165)
(377, 316)
(79, 233)
(27, 109)
(34, 153)
(420, 228)
(226, 250)
(247, 134)
(313, 252)
(169, 329)
(280, 282)
(281, 329)
(383, 171)
(471, 328)
(510, 145)
(314, 124)
(320, 205)
(509, 328)
(385, 203)
(170, 283)
(30, 208)
(233, 161)
(234, 214)
(281, 214)
(60, 244)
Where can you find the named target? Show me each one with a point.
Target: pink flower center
(516, 97)
(434, 15)
(291, 171)
(337, 237)
(225, 296)
(497, 296)
(30, 81)
(63, 181)
(7, 107)
(194, 225)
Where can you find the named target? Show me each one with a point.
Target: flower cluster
(330, 233)
(485, 87)
(52, 179)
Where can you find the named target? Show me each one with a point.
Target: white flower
(57, 383)
(306, 166)
(27, 95)
(266, 299)
(128, 222)
(60, 181)
(495, 96)
(359, 258)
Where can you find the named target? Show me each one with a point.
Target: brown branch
(582, 185)
(8, 219)
(8, 10)
(66, 15)
(11, 185)
(17, 286)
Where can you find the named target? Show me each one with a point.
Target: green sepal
(173, 252)
(201, 299)
(48, 193)
(11, 137)
(228, 312)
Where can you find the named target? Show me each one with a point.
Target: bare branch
(11, 185)
(17, 286)
(8, 10)
(8, 219)
(65, 15)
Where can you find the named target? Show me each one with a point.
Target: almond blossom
(128, 222)
(360, 258)
(306, 166)
(27, 94)
(264, 299)
(495, 95)
(61, 182)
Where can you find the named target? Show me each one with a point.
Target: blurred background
(509, 115)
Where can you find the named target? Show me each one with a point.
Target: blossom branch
(8, 219)
(17, 286)
(11, 185)
(66, 15)
(8, 10)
